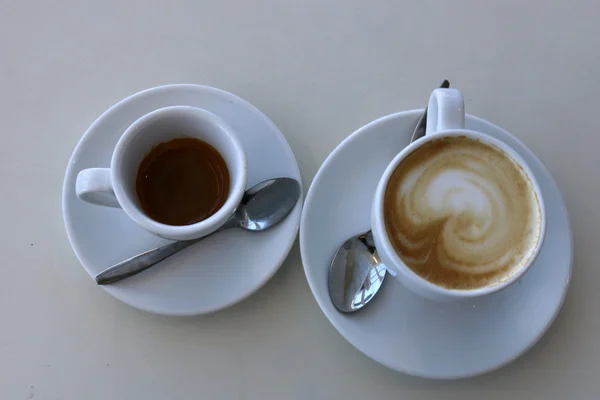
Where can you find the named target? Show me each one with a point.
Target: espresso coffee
(182, 181)
(462, 214)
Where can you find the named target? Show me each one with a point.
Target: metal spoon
(263, 206)
(356, 272)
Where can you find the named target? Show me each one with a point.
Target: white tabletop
(320, 70)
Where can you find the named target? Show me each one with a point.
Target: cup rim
(400, 267)
(180, 232)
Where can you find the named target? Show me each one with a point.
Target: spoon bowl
(265, 204)
(355, 274)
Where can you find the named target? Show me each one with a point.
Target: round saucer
(399, 329)
(213, 274)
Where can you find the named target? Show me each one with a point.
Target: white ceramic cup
(445, 117)
(115, 186)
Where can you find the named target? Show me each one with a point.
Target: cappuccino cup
(457, 214)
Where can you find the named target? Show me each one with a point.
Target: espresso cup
(457, 214)
(116, 186)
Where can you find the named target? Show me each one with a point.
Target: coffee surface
(182, 181)
(461, 213)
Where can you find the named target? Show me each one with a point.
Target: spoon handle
(141, 262)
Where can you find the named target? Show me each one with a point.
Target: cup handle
(94, 185)
(446, 110)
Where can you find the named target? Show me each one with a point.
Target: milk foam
(462, 213)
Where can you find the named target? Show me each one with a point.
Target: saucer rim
(310, 278)
(69, 177)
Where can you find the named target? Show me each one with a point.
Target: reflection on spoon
(356, 273)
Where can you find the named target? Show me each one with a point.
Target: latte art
(461, 213)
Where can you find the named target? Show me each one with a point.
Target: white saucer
(213, 274)
(399, 329)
